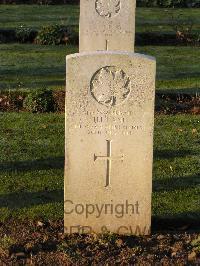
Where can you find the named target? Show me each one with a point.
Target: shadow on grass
(184, 222)
(183, 91)
(24, 199)
(176, 183)
(170, 154)
(40, 164)
(34, 71)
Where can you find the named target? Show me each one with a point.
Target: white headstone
(109, 142)
(107, 25)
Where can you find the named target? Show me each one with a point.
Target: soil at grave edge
(43, 243)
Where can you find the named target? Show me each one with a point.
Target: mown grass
(36, 16)
(32, 160)
(161, 19)
(35, 66)
(31, 170)
(147, 19)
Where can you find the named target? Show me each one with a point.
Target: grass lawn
(28, 66)
(35, 16)
(32, 158)
(35, 66)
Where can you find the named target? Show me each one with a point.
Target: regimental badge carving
(110, 86)
(108, 8)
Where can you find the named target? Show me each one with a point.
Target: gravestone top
(107, 25)
(127, 53)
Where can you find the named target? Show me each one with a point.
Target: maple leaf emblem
(110, 87)
(107, 8)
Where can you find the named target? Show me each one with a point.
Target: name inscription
(119, 123)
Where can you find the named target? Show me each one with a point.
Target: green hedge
(49, 35)
(36, 101)
(56, 34)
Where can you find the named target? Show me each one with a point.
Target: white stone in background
(107, 25)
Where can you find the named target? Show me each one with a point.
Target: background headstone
(107, 25)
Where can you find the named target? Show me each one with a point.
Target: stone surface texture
(109, 142)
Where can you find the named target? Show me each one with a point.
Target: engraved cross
(108, 158)
(107, 41)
